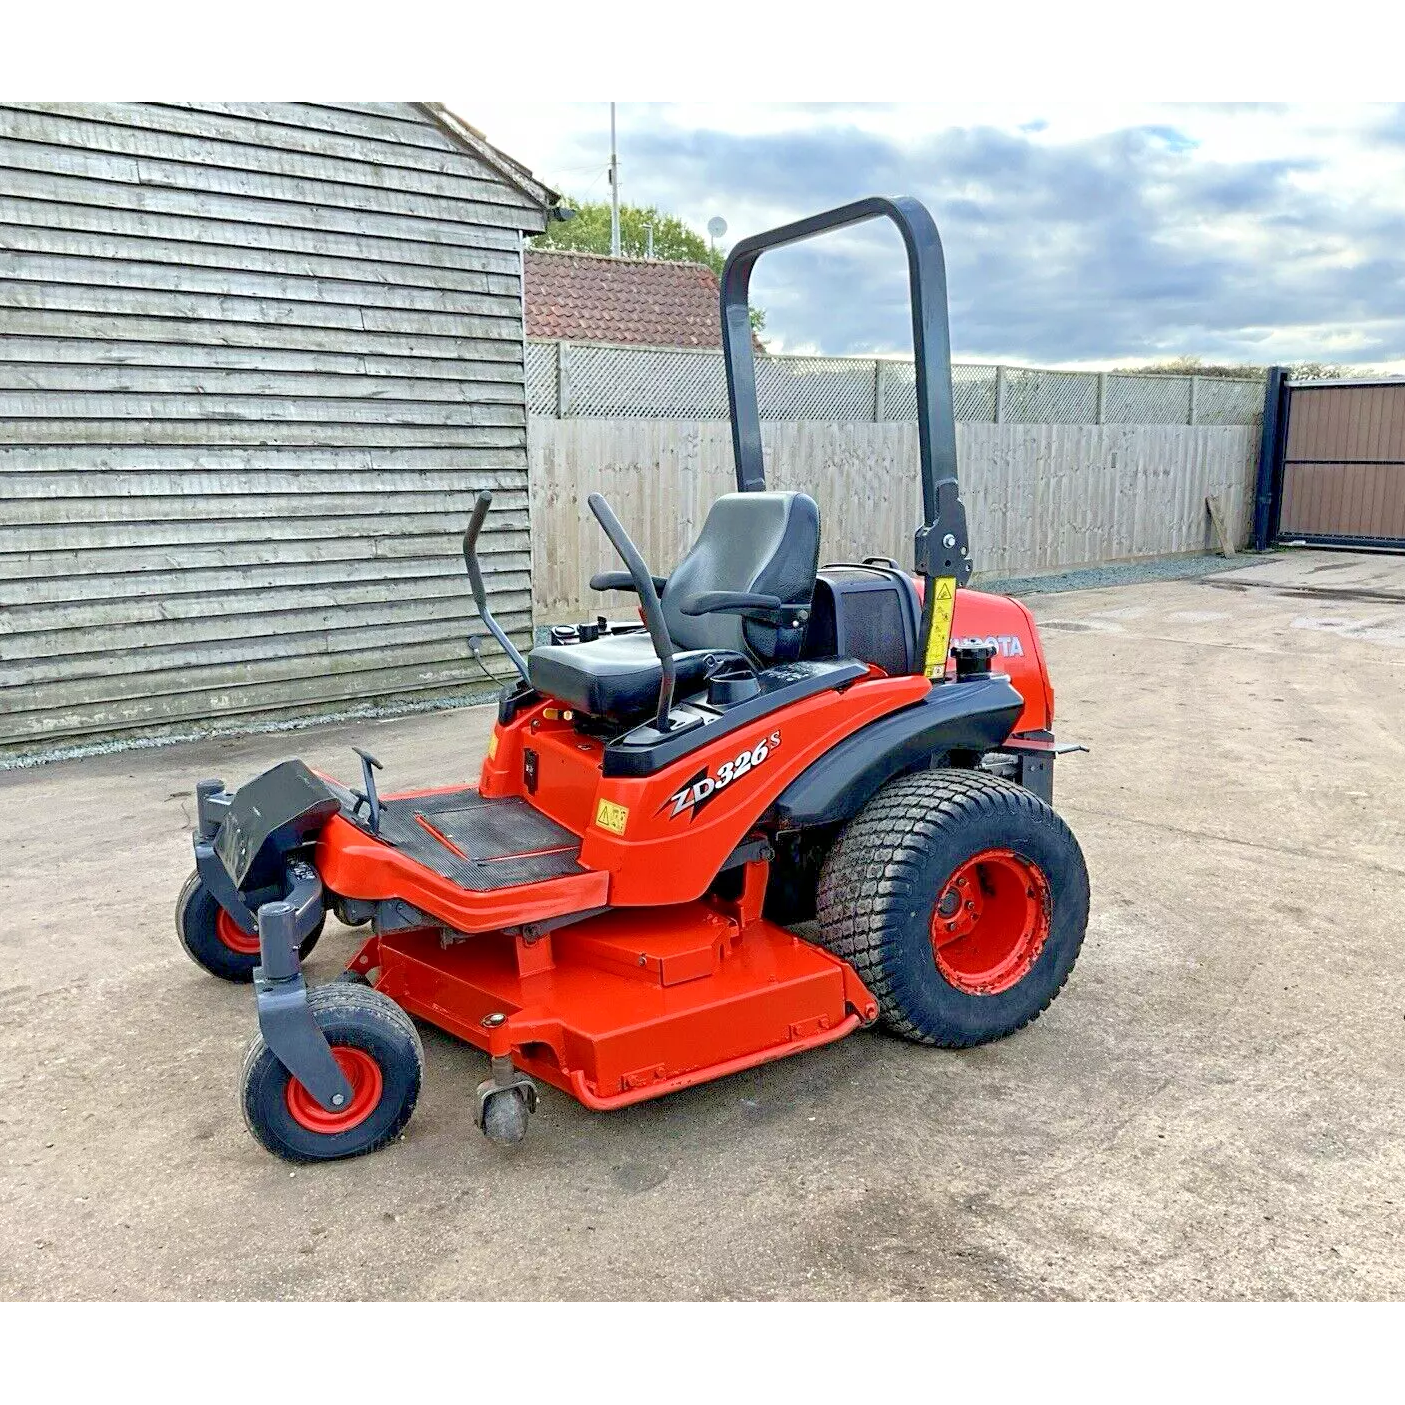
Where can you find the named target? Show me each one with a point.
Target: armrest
(732, 602)
(621, 580)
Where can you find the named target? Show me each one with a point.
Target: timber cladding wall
(1038, 497)
(256, 359)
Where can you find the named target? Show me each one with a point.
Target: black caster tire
(214, 941)
(961, 900)
(505, 1117)
(379, 1050)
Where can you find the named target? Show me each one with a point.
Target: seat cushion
(617, 676)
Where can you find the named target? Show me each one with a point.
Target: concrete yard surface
(1215, 1106)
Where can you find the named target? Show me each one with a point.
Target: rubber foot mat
(480, 844)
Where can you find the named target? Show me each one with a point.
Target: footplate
(480, 844)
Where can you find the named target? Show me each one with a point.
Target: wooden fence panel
(1038, 497)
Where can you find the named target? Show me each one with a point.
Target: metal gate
(1332, 465)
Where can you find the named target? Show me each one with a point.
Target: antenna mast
(614, 189)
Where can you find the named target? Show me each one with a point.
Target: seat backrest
(768, 543)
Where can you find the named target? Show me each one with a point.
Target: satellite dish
(717, 226)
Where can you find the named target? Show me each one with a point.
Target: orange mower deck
(630, 1005)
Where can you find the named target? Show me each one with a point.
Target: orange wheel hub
(234, 936)
(990, 922)
(367, 1082)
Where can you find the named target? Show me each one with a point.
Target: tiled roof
(633, 302)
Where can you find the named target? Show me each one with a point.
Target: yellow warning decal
(939, 637)
(492, 745)
(610, 816)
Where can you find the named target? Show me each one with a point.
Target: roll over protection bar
(941, 547)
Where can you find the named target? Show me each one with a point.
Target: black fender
(268, 818)
(977, 715)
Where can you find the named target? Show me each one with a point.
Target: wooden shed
(256, 359)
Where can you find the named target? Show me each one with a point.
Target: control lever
(475, 581)
(369, 765)
(648, 605)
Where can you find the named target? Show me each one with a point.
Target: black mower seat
(618, 676)
(766, 543)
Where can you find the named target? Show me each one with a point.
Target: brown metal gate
(1343, 464)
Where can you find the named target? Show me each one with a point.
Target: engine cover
(997, 620)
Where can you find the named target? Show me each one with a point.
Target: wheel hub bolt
(338, 1099)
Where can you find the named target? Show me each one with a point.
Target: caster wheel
(214, 941)
(378, 1048)
(505, 1117)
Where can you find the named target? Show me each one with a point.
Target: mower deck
(631, 1004)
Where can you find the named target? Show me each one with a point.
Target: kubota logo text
(1008, 645)
(703, 788)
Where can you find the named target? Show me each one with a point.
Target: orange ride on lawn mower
(611, 910)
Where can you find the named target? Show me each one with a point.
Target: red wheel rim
(234, 937)
(364, 1075)
(990, 922)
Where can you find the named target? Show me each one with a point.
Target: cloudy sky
(1074, 235)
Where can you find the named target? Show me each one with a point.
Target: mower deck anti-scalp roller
(765, 745)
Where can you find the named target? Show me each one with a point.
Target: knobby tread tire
(887, 869)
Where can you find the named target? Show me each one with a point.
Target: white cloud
(1080, 232)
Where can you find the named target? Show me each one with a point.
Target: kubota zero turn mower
(611, 910)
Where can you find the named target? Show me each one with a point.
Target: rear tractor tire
(379, 1051)
(215, 941)
(961, 900)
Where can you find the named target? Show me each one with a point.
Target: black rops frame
(941, 547)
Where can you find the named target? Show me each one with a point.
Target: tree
(674, 240)
(1239, 370)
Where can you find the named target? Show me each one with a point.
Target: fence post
(878, 405)
(563, 382)
(1100, 416)
(999, 394)
(1268, 480)
(1194, 397)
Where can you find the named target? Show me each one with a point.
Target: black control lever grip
(475, 581)
(648, 602)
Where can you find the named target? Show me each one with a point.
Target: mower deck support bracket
(285, 1018)
(754, 848)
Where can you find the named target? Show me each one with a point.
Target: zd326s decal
(700, 790)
